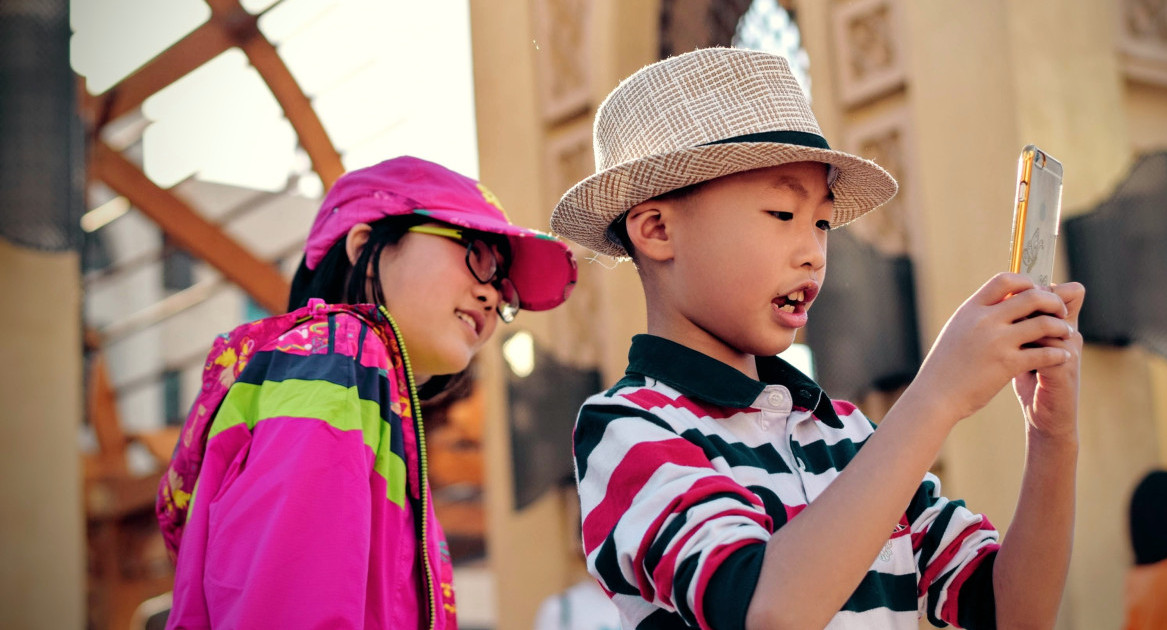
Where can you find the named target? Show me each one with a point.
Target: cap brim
(585, 211)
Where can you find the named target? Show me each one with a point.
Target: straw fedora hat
(696, 117)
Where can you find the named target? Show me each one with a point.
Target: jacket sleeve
(955, 551)
(288, 538)
(660, 524)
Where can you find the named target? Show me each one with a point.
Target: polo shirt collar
(700, 376)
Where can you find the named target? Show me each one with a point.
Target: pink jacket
(308, 507)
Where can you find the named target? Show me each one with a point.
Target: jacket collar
(700, 376)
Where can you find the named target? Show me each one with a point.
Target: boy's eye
(782, 216)
(824, 226)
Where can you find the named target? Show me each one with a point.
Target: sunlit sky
(386, 77)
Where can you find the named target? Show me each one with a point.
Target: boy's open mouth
(790, 303)
(798, 300)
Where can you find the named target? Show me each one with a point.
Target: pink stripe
(941, 560)
(918, 539)
(650, 399)
(949, 611)
(629, 476)
(843, 408)
(792, 511)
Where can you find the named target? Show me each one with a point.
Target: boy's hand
(1049, 397)
(1006, 329)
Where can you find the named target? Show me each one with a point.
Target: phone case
(1036, 217)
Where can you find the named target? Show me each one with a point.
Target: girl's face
(444, 313)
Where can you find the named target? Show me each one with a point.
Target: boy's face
(749, 255)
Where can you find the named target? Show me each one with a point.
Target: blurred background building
(160, 164)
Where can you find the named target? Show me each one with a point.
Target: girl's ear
(647, 225)
(355, 241)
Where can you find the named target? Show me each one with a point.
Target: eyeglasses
(485, 263)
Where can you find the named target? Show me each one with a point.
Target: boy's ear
(355, 240)
(647, 225)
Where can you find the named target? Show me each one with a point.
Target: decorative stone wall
(1142, 40)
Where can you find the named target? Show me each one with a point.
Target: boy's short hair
(699, 116)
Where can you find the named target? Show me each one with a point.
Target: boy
(721, 488)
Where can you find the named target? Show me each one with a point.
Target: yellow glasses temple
(438, 231)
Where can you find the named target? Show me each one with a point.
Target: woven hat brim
(585, 211)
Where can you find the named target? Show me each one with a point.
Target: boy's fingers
(1002, 286)
(1073, 294)
(1042, 357)
(1035, 329)
(1033, 302)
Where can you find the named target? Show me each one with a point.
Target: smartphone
(1037, 215)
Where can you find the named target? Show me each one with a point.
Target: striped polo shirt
(686, 467)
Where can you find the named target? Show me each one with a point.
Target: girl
(311, 508)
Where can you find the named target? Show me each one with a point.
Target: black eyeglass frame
(508, 306)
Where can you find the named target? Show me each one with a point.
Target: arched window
(767, 26)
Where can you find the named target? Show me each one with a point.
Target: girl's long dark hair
(336, 281)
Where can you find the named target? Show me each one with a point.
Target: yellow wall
(1145, 105)
(529, 551)
(42, 553)
(981, 81)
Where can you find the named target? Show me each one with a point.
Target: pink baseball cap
(543, 269)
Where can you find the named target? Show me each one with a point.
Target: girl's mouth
(473, 322)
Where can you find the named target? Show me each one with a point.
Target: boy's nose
(813, 253)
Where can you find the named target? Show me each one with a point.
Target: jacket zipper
(423, 491)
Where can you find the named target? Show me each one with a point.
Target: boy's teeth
(466, 318)
(789, 308)
(796, 296)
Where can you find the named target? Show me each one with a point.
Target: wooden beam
(325, 158)
(243, 28)
(190, 231)
(198, 47)
(101, 407)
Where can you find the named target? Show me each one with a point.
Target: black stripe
(976, 603)
(922, 500)
(775, 509)
(682, 580)
(594, 420)
(731, 587)
(735, 454)
(608, 568)
(931, 543)
(332, 332)
(361, 342)
(819, 457)
(800, 138)
(884, 590)
(338, 369)
(934, 592)
(878, 589)
(662, 619)
(629, 380)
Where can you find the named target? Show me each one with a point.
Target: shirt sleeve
(660, 524)
(955, 549)
(289, 537)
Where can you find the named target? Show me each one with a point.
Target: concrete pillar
(42, 575)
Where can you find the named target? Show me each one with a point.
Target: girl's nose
(487, 294)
